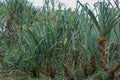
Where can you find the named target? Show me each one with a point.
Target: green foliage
(59, 42)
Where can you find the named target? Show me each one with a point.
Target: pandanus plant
(15, 14)
(106, 19)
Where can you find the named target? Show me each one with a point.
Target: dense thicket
(62, 44)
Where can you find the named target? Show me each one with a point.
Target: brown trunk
(50, 70)
(93, 64)
(112, 71)
(9, 29)
(102, 54)
(115, 68)
(67, 73)
(9, 24)
(44, 72)
(75, 59)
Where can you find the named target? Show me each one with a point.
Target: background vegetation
(59, 44)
